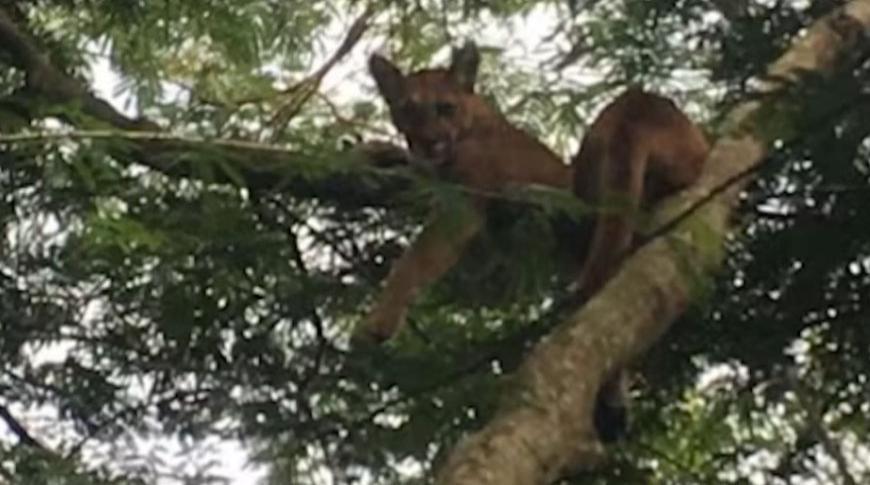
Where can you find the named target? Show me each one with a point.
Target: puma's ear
(464, 65)
(388, 77)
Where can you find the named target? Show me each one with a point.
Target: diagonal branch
(304, 90)
(544, 430)
(15, 426)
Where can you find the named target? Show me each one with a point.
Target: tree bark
(543, 429)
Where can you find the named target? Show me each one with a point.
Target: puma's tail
(611, 416)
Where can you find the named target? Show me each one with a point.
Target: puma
(640, 149)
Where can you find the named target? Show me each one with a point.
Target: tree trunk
(543, 429)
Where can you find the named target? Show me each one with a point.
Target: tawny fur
(640, 149)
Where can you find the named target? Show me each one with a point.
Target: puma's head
(433, 108)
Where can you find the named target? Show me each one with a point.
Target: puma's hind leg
(640, 149)
(619, 169)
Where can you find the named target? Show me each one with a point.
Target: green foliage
(196, 301)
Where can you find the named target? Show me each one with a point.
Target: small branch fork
(299, 94)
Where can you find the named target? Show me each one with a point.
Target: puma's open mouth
(436, 153)
(439, 151)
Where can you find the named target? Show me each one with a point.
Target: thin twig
(815, 423)
(308, 87)
(344, 120)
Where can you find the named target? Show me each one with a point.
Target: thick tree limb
(545, 429)
(261, 167)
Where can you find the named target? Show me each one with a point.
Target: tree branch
(815, 422)
(43, 79)
(303, 91)
(260, 166)
(544, 429)
(15, 426)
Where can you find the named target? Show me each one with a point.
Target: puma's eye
(408, 107)
(445, 109)
(411, 110)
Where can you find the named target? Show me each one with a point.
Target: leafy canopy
(194, 290)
